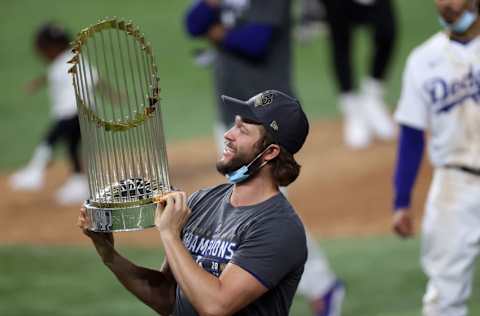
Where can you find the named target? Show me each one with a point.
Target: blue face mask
(238, 175)
(242, 173)
(464, 22)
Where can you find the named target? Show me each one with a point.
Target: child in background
(52, 43)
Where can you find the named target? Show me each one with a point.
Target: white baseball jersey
(441, 93)
(60, 85)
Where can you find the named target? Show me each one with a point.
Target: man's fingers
(177, 200)
(160, 207)
(396, 229)
(181, 201)
(184, 199)
(404, 227)
(83, 220)
(399, 230)
(170, 201)
(402, 223)
(174, 214)
(408, 226)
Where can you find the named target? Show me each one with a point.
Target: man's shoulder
(209, 192)
(213, 189)
(282, 216)
(429, 50)
(283, 227)
(277, 226)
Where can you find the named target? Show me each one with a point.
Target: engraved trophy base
(108, 220)
(124, 216)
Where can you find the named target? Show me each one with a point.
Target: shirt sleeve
(412, 109)
(193, 199)
(200, 17)
(272, 12)
(250, 40)
(409, 157)
(271, 250)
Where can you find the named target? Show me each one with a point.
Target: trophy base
(125, 219)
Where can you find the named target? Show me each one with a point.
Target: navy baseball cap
(280, 114)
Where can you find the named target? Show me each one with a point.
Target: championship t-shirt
(267, 240)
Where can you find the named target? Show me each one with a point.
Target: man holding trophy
(237, 248)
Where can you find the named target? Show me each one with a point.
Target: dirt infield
(339, 192)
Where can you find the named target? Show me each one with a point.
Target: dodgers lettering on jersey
(445, 94)
(441, 93)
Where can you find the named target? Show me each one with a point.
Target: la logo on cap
(264, 99)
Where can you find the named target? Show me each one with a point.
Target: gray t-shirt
(267, 240)
(240, 77)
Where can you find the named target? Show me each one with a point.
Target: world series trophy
(117, 89)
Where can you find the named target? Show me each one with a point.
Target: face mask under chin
(462, 24)
(246, 170)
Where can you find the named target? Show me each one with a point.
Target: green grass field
(383, 278)
(382, 274)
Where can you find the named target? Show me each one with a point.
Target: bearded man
(237, 248)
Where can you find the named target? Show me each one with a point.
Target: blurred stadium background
(37, 277)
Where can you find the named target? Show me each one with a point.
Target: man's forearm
(154, 288)
(202, 289)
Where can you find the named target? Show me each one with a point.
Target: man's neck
(469, 35)
(256, 190)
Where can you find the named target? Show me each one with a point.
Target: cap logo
(274, 125)
(264, 99)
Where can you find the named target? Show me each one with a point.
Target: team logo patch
(264, 99)
(274, 125)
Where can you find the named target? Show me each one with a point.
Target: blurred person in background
(52, 44)
(253, 53)
(309, 23)
(440, 96)
(252, 39)
(311, 20)
(365, 114)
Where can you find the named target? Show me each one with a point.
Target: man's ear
(272, 152)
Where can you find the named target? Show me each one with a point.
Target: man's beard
(450, 16)
(235, 163)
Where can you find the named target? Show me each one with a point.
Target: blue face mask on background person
(242, 173)
(462, 24)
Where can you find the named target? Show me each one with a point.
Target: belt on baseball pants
(473, 171)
